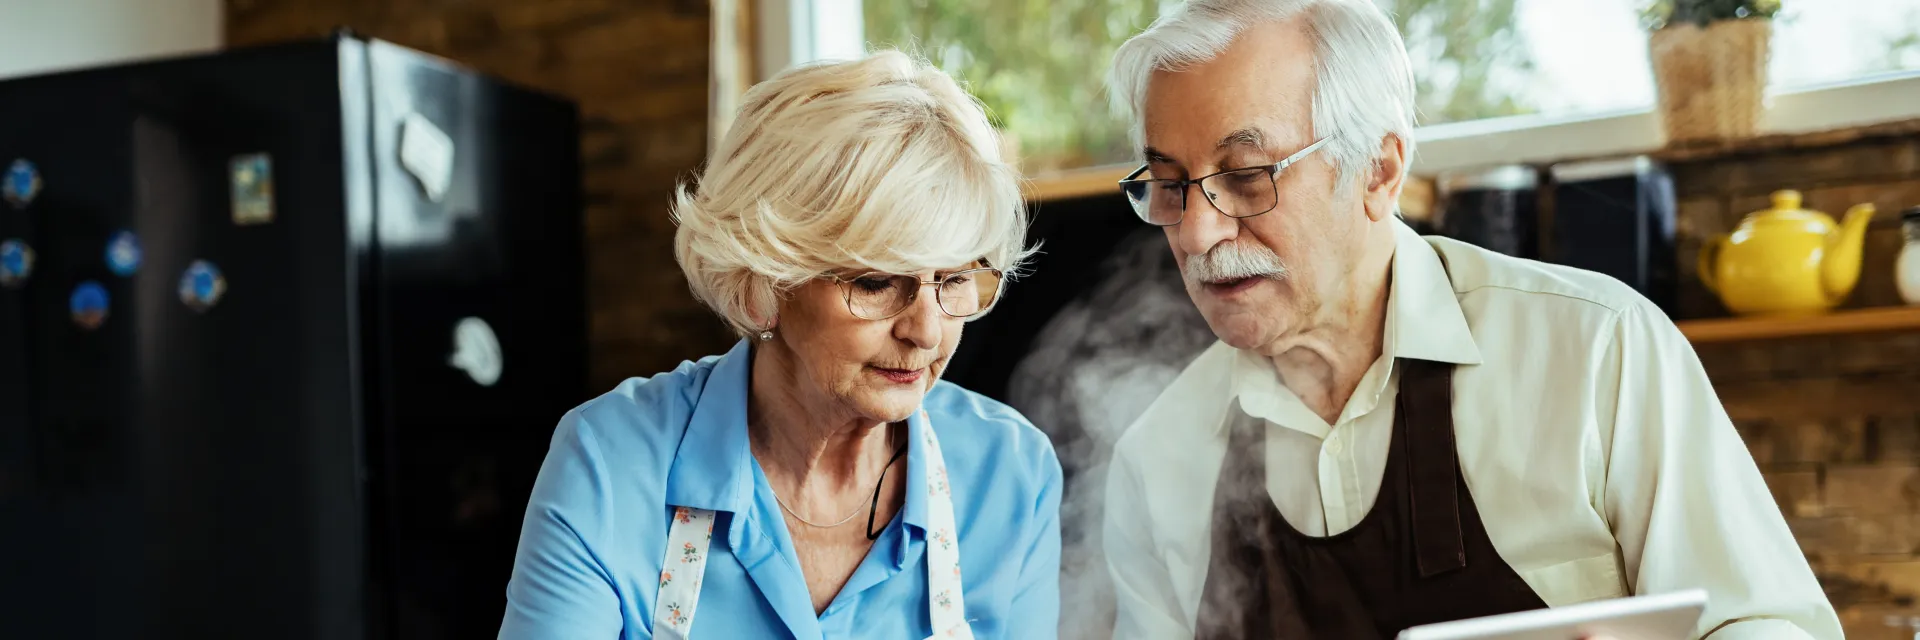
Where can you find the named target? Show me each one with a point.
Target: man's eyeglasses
(961, 294)
(1238, 193)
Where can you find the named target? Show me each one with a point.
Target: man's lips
(1232, 286)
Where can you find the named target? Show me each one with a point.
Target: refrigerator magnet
(252, 184)
(202, 286)
(123, 254)
(21, 184)
(476, 350)
(427, 153)
(88, 304)
(16, 263)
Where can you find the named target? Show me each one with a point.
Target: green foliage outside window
(1040, 65)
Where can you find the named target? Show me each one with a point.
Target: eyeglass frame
(846, 291)
(1273, 177)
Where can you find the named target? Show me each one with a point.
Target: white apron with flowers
(692, 533)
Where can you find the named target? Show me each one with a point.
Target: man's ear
(1389, 173)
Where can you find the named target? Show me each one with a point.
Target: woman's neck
(812, 449)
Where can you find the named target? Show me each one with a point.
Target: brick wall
(639, 71)
(1831, 421)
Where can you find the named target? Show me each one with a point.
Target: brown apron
(1421, 555)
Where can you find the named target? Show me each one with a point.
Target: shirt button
(1333, 445)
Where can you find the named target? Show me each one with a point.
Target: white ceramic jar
(1906, 270)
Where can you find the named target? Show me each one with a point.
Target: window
(1040, 65)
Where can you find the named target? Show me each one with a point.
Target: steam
(1092, 370)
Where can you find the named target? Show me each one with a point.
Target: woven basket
(1711, 81)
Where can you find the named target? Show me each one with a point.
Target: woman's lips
(898, 376)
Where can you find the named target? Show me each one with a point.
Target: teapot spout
(1840, 269)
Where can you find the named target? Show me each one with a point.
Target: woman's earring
(766, 336)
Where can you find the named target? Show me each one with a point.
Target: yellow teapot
(1786, 260)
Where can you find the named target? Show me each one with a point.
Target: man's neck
(1323, 364)
(812, 450)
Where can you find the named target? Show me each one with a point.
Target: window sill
(1887, 104)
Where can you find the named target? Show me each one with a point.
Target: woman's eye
(960, 280)
(873, 283)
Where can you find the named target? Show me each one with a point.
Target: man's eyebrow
(1249, 136)
(1154, 155)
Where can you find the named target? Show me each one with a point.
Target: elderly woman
(817, 480)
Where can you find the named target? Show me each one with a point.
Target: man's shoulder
(1567, 305)
(1477, 271)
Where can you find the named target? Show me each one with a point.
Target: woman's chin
(889, 405)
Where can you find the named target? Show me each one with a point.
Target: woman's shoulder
(643, 418)
(977, 430)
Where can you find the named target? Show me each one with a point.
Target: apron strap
(1433, 466)
(946, 601)
(681, 572)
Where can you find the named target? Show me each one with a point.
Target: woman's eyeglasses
(961, 294)
(1239, 193)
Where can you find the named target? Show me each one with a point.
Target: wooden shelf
(1772, 327)
(1076, 183)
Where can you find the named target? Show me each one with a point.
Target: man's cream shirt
(1601, 460)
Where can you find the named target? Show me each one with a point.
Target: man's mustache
(1230, 261)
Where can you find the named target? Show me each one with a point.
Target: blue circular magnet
(20, 184)
(202, 286)
(88, 304)
(123, 254)
(16, 263)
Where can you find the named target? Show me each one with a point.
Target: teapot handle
(1709, 257)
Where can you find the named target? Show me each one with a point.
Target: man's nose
(1204, 226)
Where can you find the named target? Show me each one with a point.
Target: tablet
(1665, 616)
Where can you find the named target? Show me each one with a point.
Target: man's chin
(1241, 326)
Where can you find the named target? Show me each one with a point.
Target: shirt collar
(915, 511)
(713, 467)
(1424, 320)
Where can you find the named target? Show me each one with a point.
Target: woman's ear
(762, 307)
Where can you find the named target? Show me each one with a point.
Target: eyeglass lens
(1240, 193)
(960, 294)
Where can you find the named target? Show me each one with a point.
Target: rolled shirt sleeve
(559, 589)
(1686, 501)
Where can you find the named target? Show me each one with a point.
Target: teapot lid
(1786, 200)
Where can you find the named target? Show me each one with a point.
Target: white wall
(39, 36)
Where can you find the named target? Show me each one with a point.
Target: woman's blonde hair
(880, 164)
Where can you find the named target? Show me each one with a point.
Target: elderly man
(1396, 430)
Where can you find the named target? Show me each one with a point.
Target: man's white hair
(1364, 86)
(882, 163)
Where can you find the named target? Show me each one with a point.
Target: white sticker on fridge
(476, 350)
(427, 153)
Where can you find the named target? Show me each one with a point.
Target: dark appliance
(1495, 208)
(298, 324)
(1616, 217)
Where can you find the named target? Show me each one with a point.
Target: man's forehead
(1261, 84)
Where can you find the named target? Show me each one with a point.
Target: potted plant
(1710, 65)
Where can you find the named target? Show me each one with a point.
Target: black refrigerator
(284, 332)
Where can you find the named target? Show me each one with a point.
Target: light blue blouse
(596, 528)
